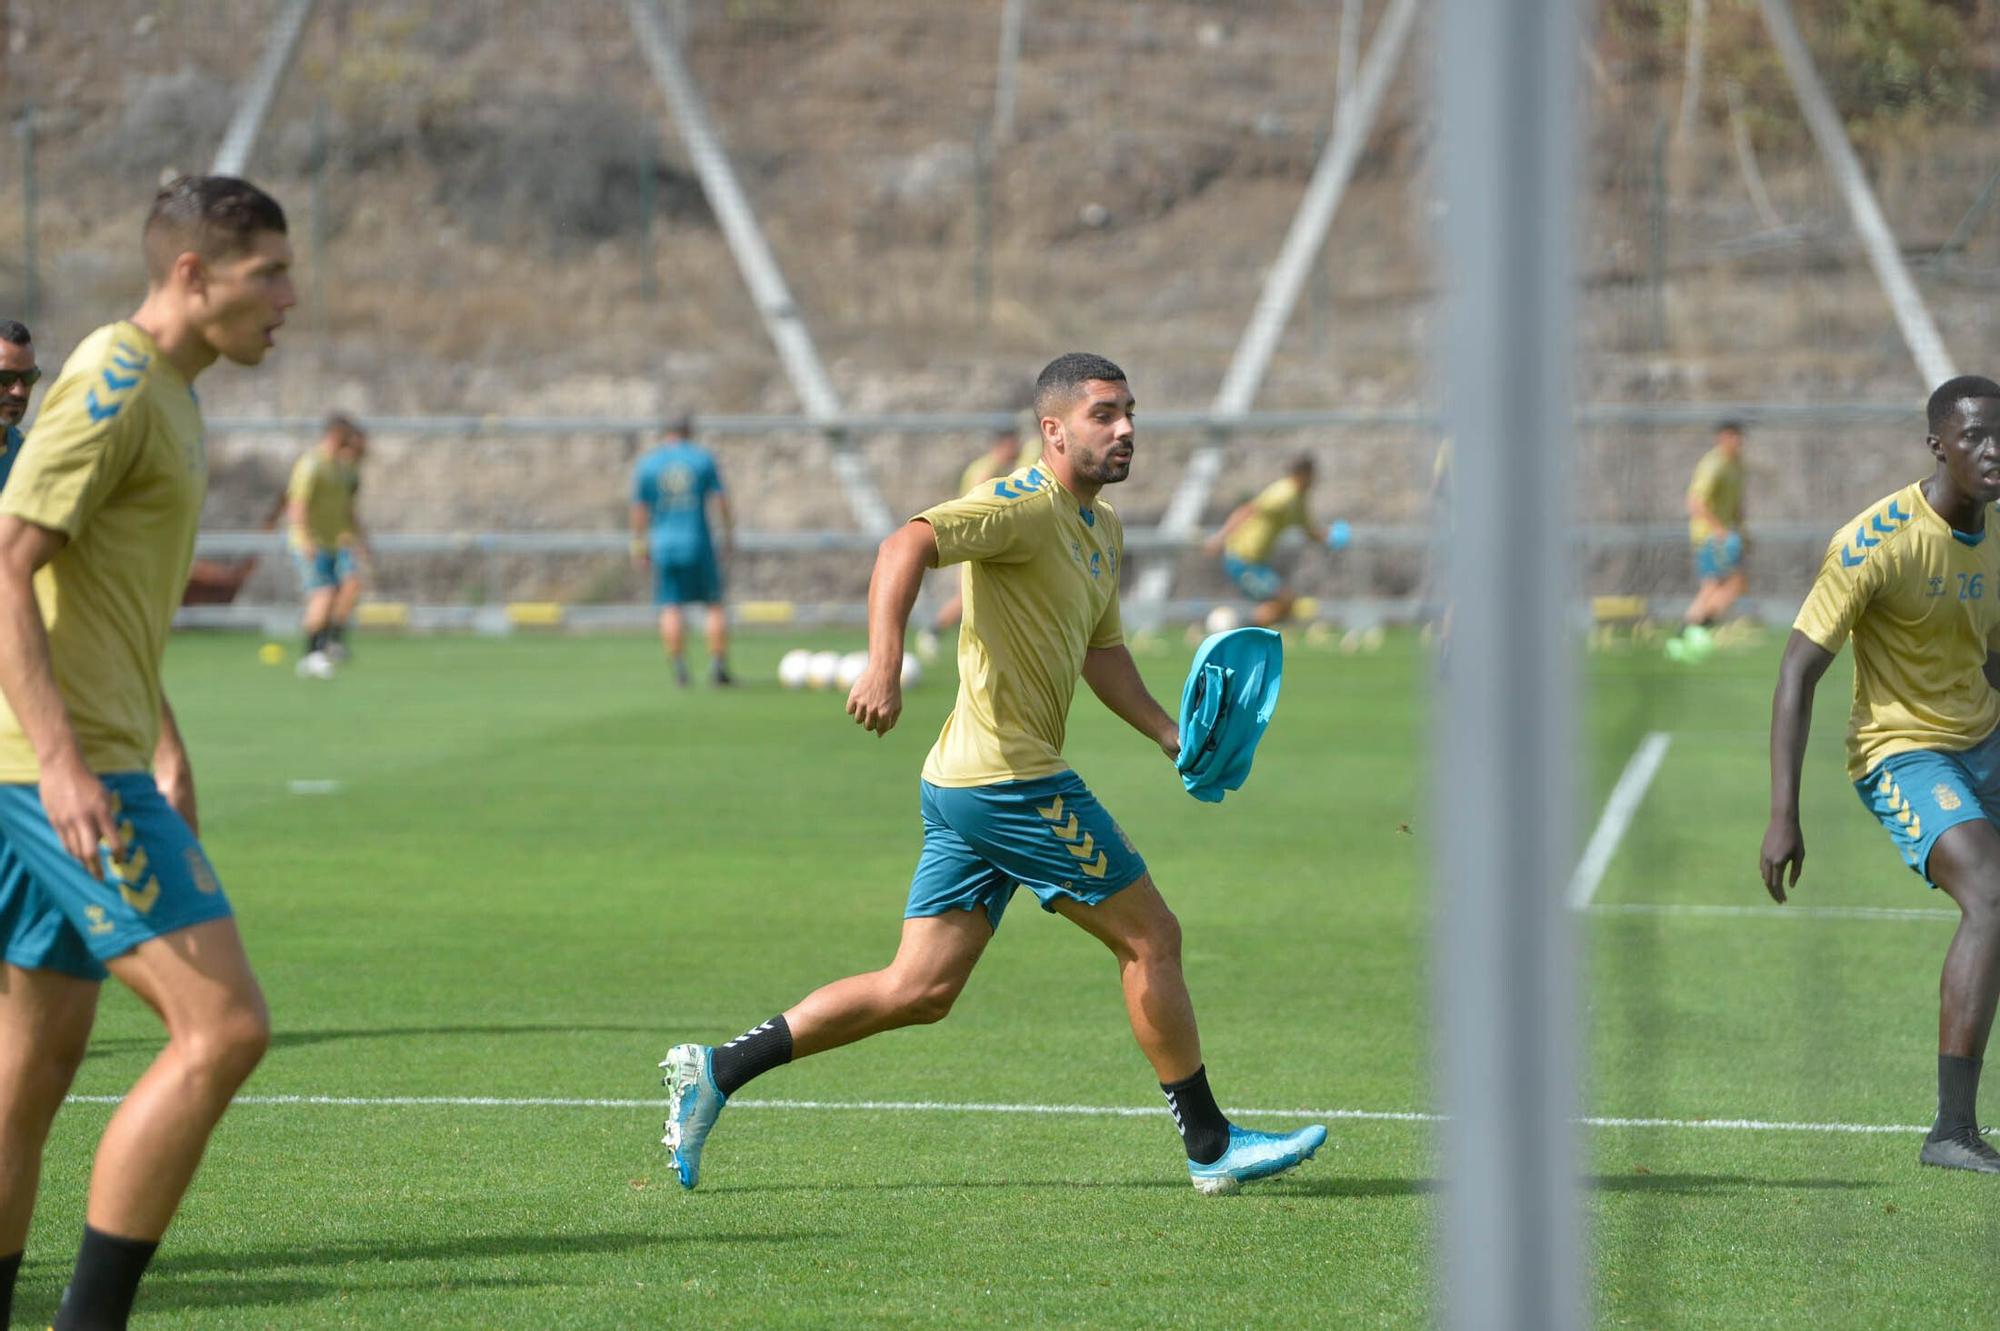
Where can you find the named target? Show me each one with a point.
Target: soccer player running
(1001, 458)
(1715, 529)
(18, 376)
(1252, 531)
(1915, 580)
(328, 545)
(1001, 807)
(678, 505)
(100, 869)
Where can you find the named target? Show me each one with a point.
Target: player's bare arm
(725, 523)
(1114, 677)
(1791, 720)
(641, 518)
(1213, 545)
(877, 697)
(76, 801)
(295, 518)
(173, 769)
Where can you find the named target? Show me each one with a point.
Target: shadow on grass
(1306, 1186)
(284, 1039)
(1697, 1183)
(470, 1247)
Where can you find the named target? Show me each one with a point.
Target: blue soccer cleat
(694, 1106)
(1255, 1155)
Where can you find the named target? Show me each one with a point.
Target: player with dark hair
(678, 509)
(328, 544)
(1252, 530)
(100, 869)
(1001, 807)
(1715, 529)
(18, 376)
(1915, 581)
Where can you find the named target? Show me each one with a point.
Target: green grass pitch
(542, 864)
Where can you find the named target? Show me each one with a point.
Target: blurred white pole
(1505, 78)
(262, 89)
(1347, 48)
(1697, 36)
(1913, 317)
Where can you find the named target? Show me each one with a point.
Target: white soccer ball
(1221, 619)
(823, 669)
(794, 667)
(851, 666)
(913, 671)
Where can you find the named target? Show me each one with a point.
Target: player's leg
(717, 625)
(947, 617)
(1144, 936)
(45, 1021)
(919, 985)
(673, 637)
(1965, 864)
(346, 595)
(1274, 610)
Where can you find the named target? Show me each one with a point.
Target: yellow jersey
(1281, 505)
(1041, 588)
(1923, 606)
(326, 486)
(1718, 483)
(977, 472)
(115, 463)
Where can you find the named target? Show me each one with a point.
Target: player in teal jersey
(678, 509)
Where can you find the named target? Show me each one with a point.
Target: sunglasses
(23, 378)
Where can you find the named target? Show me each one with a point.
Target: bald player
(1001, 806)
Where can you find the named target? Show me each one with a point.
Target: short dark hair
(340, 422)
(13, 330)
(1947, 396)
(1303, 463)
(1730, 426)
(1060, 380)
(215, 216)
(681, 425)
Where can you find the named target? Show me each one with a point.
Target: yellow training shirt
(326, 486)
(1718, 482)
(1041, 587)
(1281, 505)
(115, 462)
(1924, 610)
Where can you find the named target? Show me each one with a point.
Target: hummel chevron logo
(1053, 812)
(119, 383)
(1066, 833)
(1086, 850)
(98, 411)
(1099, 869)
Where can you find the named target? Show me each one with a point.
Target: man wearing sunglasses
(17, 379)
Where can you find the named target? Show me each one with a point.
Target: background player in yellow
(1715, 531)
(1915, 581)
(329, 547)
(999, 459)
(1252, 530)
(1001, 807)
(100, 871)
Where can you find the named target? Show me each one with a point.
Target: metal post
(1012, 14)
(1505, 80)
(31, 263)
(1913, 317)
(262, 89)
(649, 276)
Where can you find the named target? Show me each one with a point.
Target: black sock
(1203, 1128)
(10, 1269)
(752, 1054)
(106, 1279)
(1958, 1090)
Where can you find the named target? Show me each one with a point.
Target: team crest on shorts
(202, 872)
(1947, 798)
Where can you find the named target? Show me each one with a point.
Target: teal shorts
(1918, 796)
(55, 916)
(324, 570)
(1718, 557)
(1259, 582)
(1049, 835)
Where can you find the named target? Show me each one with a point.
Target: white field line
(1617, 816)
(975, 1107)
(313, 786)
(1775, 912)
